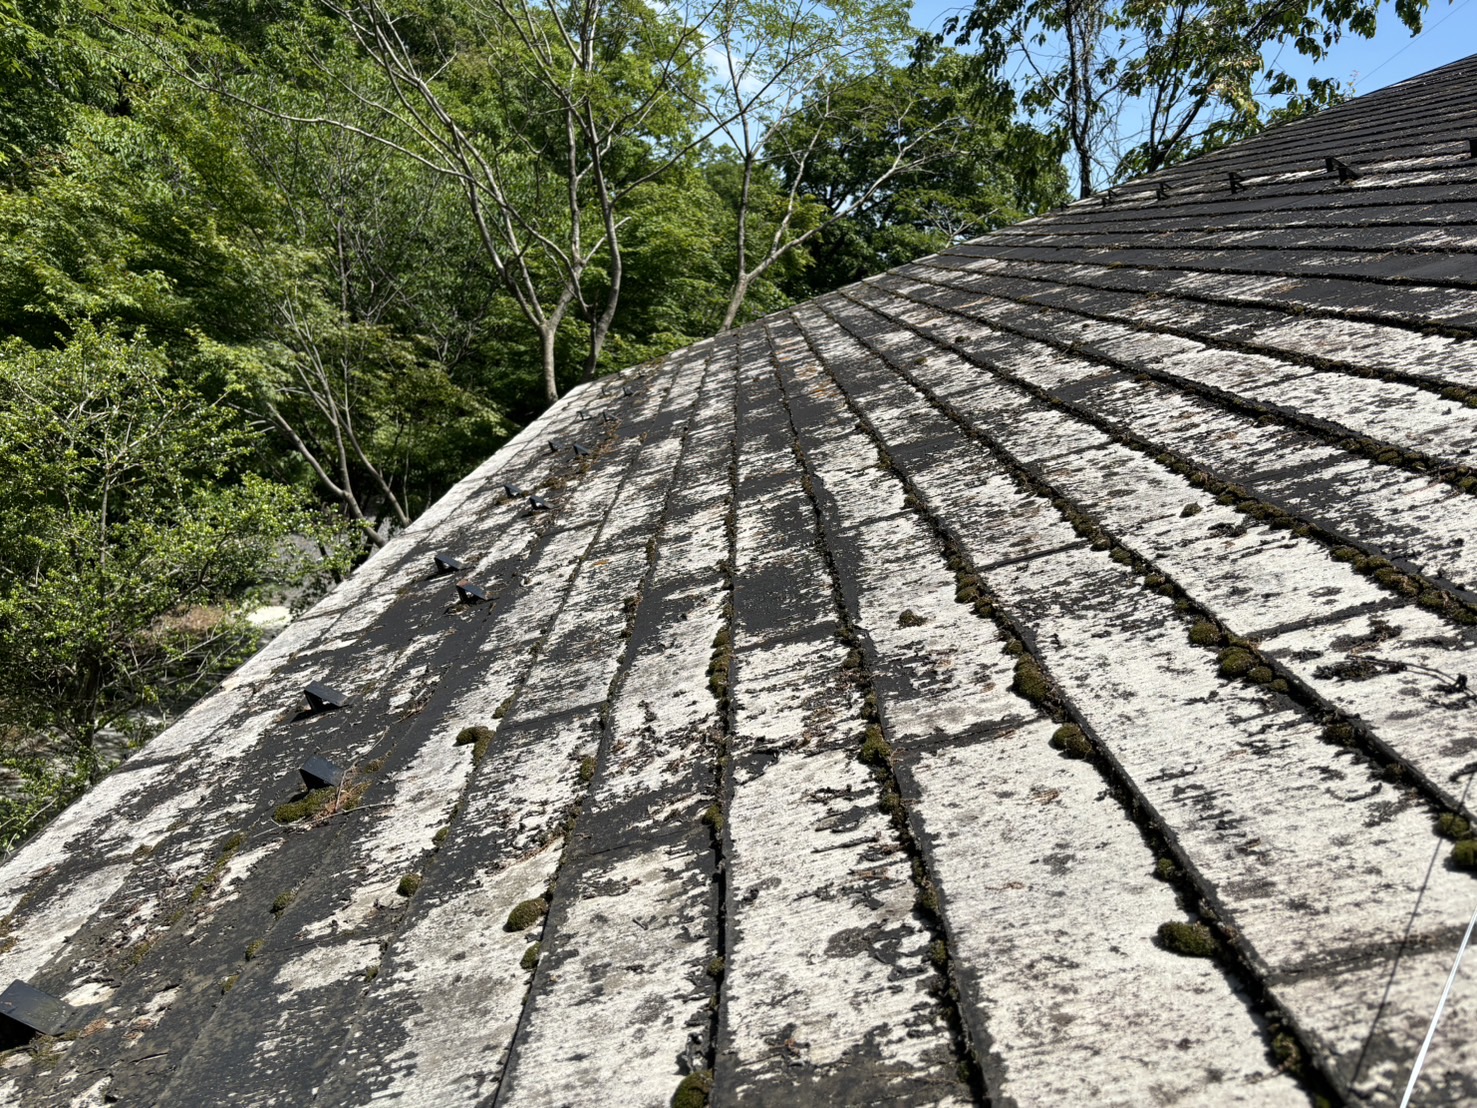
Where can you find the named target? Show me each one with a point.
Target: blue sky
(1450, 33)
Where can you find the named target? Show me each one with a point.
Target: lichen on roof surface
(1037, 674)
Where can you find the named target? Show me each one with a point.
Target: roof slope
(871, 692)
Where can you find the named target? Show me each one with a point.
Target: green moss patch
(1453, 826)
(694, 1090)
(1191, 940)
(587, 770)
(1069, 739)
(526, 914)
(529, 961)
(719, 663)
(1205, 633)
(283, 902)
(1030, 682)
(1236, 662)
(1464, 854)
(479, 738)
(875, 751)
(910, 618)
(310, 804)
(409, 885)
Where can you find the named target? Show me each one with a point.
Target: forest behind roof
(274, 275)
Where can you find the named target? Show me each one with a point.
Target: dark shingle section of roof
(874, 691)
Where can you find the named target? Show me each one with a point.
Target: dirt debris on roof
(1033, 675)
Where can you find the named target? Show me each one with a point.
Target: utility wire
(1420, 1059)
(1405, 941)
(1456, 7)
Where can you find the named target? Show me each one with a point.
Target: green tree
(972, 167)
(129, 538)
(1200, 72)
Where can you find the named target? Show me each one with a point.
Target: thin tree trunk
(546, 335)
(735, 302)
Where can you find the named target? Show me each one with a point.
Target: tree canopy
(274, 275)
(1129, 86)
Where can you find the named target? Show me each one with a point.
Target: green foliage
(41, 785)
(1205, 72)
(970, 167)
(128, 536)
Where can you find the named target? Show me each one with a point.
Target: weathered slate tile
(510, 829)
(623, 989)
(1135, 654)
(1395, 512)
(1044, 866)
(828, 995)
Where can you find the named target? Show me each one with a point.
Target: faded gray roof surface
(868, 697)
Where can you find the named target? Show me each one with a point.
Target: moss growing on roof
(478, 737)
(1205, 633)
(1030, 682)
(875, 750)
(1069, 739)
(309, 804)
(1193, 940)
(1452, 826)
(526, 914)
(1236, 662)
(693, 1091)
(719, 664)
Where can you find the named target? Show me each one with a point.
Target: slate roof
(865, 700)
